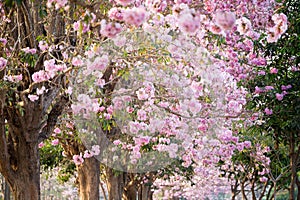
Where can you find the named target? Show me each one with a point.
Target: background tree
(148, 78)
(275, 92)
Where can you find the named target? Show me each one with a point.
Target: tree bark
(293, 166)
(115, 184)
(243, 190)
(6, 191)
(26, 182)
(88, 178)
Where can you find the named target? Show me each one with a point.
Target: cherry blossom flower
(77, 61)
(142, 115)
(43, 45)
(116, 14)
(110, 29)
(33, 97)
(13, 78)
(125, 2)
(279, 97)
(263, 179)
(40, 91)
(3, 63)
(55, 142)
(95, 150)
(273, 70)
(77, 159)
(243, 25)
(40, 76)
(188, 23)
(28, 50)
(87, 154)
(268, 111)
(135, 16)
(156, 5)
(41, 144)
(225, 19)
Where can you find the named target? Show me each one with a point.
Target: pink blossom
(60, 4)
(120, 41)
(57, 130)
(156, 5)
(99, 63)
(279, 97)
(77, 61)
(13, 78)
(141, 115)
(183, 1)
(87, 154)
(263, 179)
(69, 125)
(3, 41)
(3, 63)
(135, 16)
(43, 45)
(273, 70)
(280, 21)
(258, 90)
(240, 146)
(41, 144)
(283, 87)
(77, 159)
(100, 82)
(111, 29)
(261, 72)
(268, 111)
(188, 23)
(81, 26)
(124, 2)
(117, 142)
(40, 76)
(95, 150)
(28, 50)
(33, 97)
(247, 144)
(141, 94)
(225, 19)
(279, 18)
(40, 91)
(140, 141)
(267, 88)
(55, 142)
(69, 90)
(243, 25)
(129, 109)
(116, 14)
(272, 36)
(215, 29)
(194, 106)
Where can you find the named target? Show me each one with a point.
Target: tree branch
(56, 111)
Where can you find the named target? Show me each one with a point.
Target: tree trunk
(146, 193)
(243, 190)
(115, 184)
(6, 191)
(25, 184)
(293, 166)
(253, 189)
(298, 188)
(88, 178)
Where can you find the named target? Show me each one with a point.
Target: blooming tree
(152, 86)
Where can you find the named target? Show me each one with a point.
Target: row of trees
(161, 99)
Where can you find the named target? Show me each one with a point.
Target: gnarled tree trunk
(26, 184)
(88, 178)
(115, 184)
